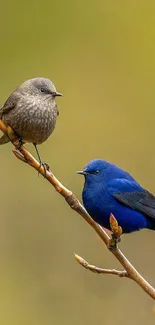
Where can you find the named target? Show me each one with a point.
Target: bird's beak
(57, 94)
(81, 172)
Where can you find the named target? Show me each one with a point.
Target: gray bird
(31, 111)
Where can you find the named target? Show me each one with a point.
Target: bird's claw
(45, 166)
(19, 143)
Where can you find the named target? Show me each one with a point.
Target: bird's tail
(4, 139)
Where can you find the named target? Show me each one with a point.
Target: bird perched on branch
(31, 111)
(109, 189)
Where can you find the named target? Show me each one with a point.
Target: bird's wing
(8, 105)
(141, 201)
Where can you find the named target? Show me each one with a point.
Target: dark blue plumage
(109, 189)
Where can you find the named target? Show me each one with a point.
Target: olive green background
(101, 56)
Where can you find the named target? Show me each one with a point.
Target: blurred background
(101, 56)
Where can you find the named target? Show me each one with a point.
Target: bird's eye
(42, 90)
(94, 172)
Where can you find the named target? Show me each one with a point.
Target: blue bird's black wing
(141, 201)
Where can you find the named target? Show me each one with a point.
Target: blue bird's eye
(94, 172)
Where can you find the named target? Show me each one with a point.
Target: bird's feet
(116, 233)
(20, 142)
(42, 164)
(45, 166)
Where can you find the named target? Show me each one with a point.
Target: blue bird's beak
(81, 172)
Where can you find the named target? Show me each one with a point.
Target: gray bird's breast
(33, 121)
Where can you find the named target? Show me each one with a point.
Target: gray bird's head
(42, 87)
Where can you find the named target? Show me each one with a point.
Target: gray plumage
(31, 111)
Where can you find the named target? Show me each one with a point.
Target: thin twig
(74, 203)
(99, 270)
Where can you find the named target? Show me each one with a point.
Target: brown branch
(96, 269)
(74, 203)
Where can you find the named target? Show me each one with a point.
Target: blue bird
(109, 189)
